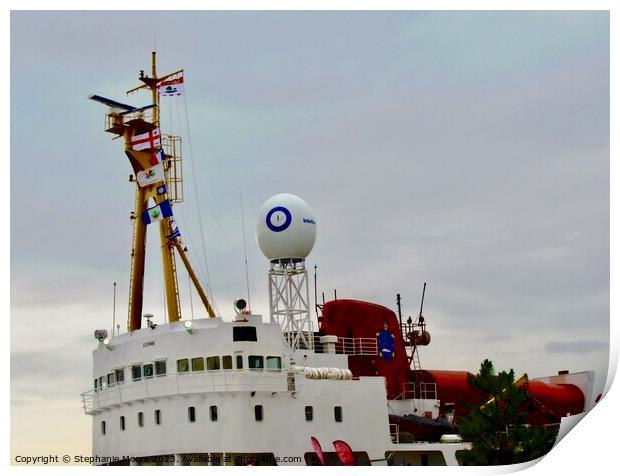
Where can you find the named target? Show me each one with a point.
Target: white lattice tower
(289, 302)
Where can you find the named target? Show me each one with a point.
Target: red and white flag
(148, 140)
(172, 87)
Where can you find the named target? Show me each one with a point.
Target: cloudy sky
(468, 150)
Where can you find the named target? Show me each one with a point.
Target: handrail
(221, 380)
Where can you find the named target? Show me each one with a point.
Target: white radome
(286, 228)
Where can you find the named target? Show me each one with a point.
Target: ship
(342, 385)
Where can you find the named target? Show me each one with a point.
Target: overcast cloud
(469, 150)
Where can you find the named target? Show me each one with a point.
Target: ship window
(95, 384)
(136, 372)
(309, 413)
(111, 380)
(424, 460)
(103, 427)
(120, 375)
(160, 367)
(258, 412)
(213, 363)
(101, 383)
(338, 414)
(183, 365)
(122, 423)
(213, 412)
(198, 364)
(227, 362)
(191, 414)
(158, 417)
(274, 363)
(244, 333)
(140, 419)
(240, 361)
(255, 362)
(148, 370)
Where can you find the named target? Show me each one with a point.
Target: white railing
(273, 380)
(423, 390)
(350, 346)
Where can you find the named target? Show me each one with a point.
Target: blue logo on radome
(278, 227)
(309, 220)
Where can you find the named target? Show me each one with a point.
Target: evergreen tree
(497, 426)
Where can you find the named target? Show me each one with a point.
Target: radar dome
(286, 228)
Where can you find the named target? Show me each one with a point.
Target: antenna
(114, 310)
(316, 307)
(422, 303)
(245, 250)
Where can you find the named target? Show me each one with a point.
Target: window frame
(198, 360)
(210, 360)
(158, 366)
(133, 372)
(278, 360)
(151, 368)
(180, 362)
(258, 358)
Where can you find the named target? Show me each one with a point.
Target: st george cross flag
(158, 212)
(151, 175)
(157, 158)
(148, 140)
(172, 87)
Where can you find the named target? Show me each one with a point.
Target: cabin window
(111, 380)
(240, 361)
(258, 412)
(213, 363)
(160, 367)
(255, 362)
(103, 427)
(183, 365)
(158, 417)
(309, 413)
(198, 364)
(191, 414)
(274, 363)
(120, 375)
(136, 372)
(95, 385)
(213, 412)
(227, 362)
(338, 414)
(424, 460)
(101, 383)
(148, 370)
(244, 334)
(140, 419)
(122, 423)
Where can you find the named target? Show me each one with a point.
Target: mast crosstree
(156, 161)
